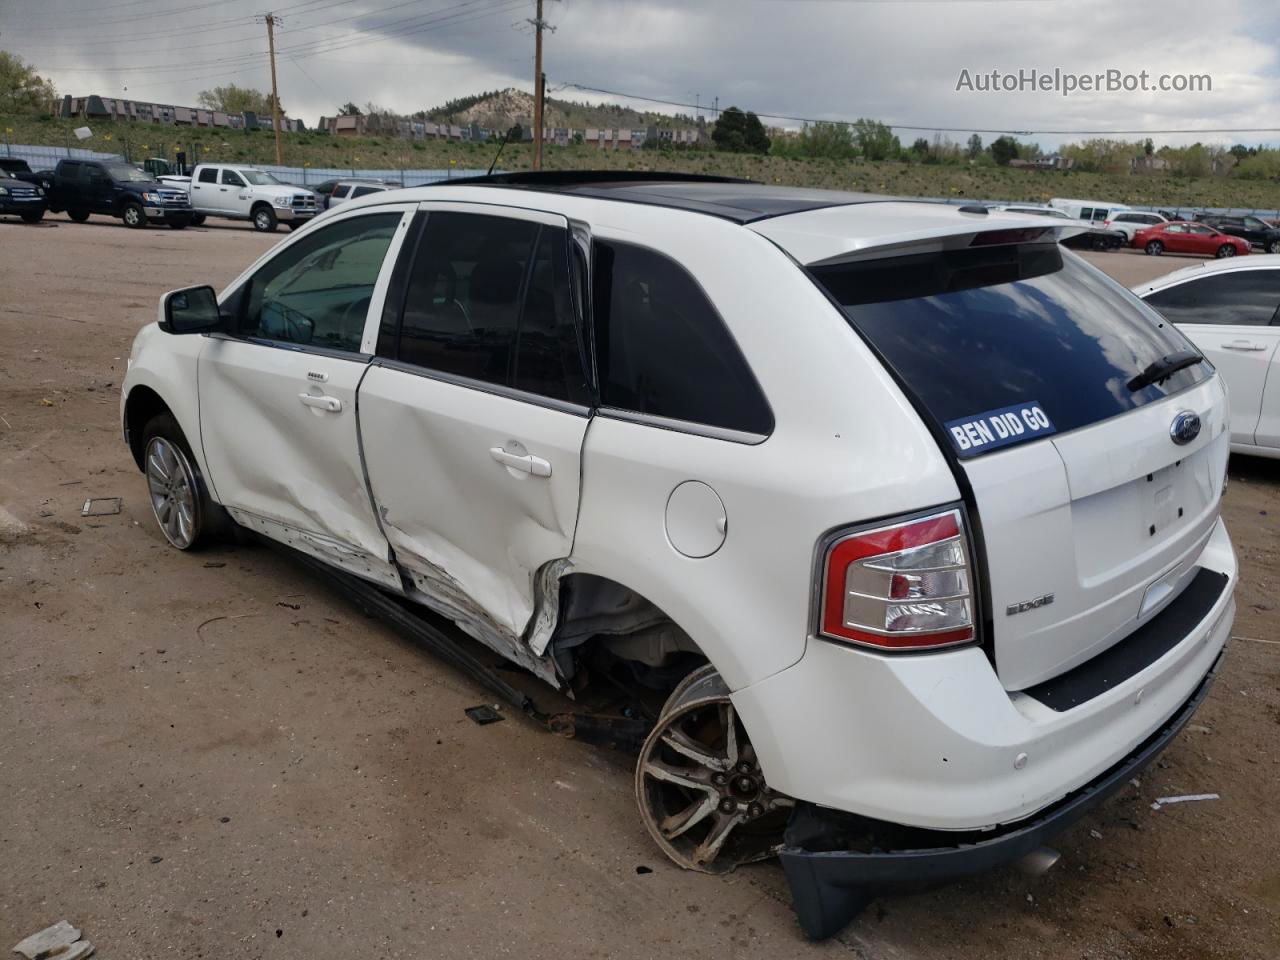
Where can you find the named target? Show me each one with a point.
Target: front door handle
(1244, 345)
(328, 404)
(526, 464)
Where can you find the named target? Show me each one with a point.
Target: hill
(322, 151)
(499, 109)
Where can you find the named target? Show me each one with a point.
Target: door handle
(328, 404)
(1244, 345)
(526, 464)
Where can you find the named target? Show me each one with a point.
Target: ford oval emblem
(1185, 428)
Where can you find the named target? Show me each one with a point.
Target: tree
(875, 140)
(739, 132)
(234, 99)
(22, 90)
(1004, 149)
(832, 141)
(757, 139)
(920, 149)
(1148, 147)
(349, 109)
(974, 148)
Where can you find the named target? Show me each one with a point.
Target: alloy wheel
(171, 484)
(702, 794)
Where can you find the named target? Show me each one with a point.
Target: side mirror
(193, 310)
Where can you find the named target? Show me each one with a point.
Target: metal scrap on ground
(1186, 798)
(58, 942)
(101, 507)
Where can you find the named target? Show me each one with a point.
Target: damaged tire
(179, 496)
(702, 795)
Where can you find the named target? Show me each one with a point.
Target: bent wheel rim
(171, 485)
(702, 795)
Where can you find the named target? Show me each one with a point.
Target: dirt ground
(212, 755)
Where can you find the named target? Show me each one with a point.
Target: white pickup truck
(246, 193)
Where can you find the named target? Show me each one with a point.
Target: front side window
(209, 175)
(1246, 297)
(260, 179)
(364, 191)
(123, 173)
(231, 179)
(341, 190)
(1253, 223)
(488, 299)
(317, 291)
(663, 350)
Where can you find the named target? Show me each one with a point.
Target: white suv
(1131, 221)
(913, 513)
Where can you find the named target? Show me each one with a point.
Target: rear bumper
(829, 887)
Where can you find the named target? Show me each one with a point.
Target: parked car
(1231, 311)
(22, 171)
(1086, 235)
(345, 190)
(239, 192)
(1187, 236)
(1091, 210)
(824, 540)
(1256, 231)
(324, 188)
(22, 199)
(1129, 222)
(117, 189)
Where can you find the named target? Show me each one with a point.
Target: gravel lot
(213, 756)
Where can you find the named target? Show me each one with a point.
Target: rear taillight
(1106, 223)
(901, 586)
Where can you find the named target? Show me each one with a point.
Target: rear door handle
(328, 404)
(526, 464)
(1244, 345)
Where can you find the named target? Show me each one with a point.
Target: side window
(488, 299)
(341, 190)
(1176, 228)
(232, 179)
(318, 291)
(1253, 223)
(662, 349)
(1086, 213)
(70, 169)
(209, 175)
(1249, 297)
(364, 191)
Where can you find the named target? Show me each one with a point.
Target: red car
(1186, 236)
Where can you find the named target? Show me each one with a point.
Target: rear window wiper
(1162, 369)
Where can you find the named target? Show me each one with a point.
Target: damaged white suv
(912, 515)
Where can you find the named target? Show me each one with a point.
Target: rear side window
(364, 191)
(209, 175)
(489, 299)
(663, 350)
(1246, 297)
(341, 190)
(988, 329)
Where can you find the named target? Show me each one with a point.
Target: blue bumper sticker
(998, 428)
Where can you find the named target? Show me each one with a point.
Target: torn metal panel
(322, 547)
(546, 608)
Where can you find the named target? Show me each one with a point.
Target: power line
(930, 129)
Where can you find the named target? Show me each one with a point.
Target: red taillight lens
(902, 586)
(1106, 223)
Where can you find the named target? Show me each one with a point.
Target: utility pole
(272, 22)
(539, 84)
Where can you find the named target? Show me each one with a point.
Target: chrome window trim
(683, 426)
(496, 389)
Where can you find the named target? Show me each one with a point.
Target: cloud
(826, 59)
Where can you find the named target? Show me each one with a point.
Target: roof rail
(555, 179)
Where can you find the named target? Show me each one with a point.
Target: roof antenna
(514, 129)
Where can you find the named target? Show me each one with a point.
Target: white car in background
(1230, 309)
(345, 190)
(838, 475)
(239, 192)
(1130, 222)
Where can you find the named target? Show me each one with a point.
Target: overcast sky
(893, 60)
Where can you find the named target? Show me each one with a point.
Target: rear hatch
(1051, 386)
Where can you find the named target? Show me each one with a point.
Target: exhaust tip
(1039, 861)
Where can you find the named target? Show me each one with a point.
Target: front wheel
(1224, 251)
(177, 224)
(1273, 246)
(264, 219)
(197, 219)
(33, 216)
(179, 496)
(1155, 248)
(702, 795)
(79, 216)
(134, 216)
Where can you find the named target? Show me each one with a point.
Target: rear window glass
(984, 330)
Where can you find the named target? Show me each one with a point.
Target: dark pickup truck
(118, 189)
(21, 199)
(1258, 232)
(22, 171)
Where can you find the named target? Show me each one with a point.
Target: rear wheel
(177, 491)
(197, 219)
(134, 216)
(1273, 246)
(79, 216)
(264, 218)
(177, 224)
(33, 216)
(702, 795)
(1226, 250)
(1155, 248)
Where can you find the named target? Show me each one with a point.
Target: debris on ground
(101, 507)
(483, 714)
(59, 942)
(1186, 798)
